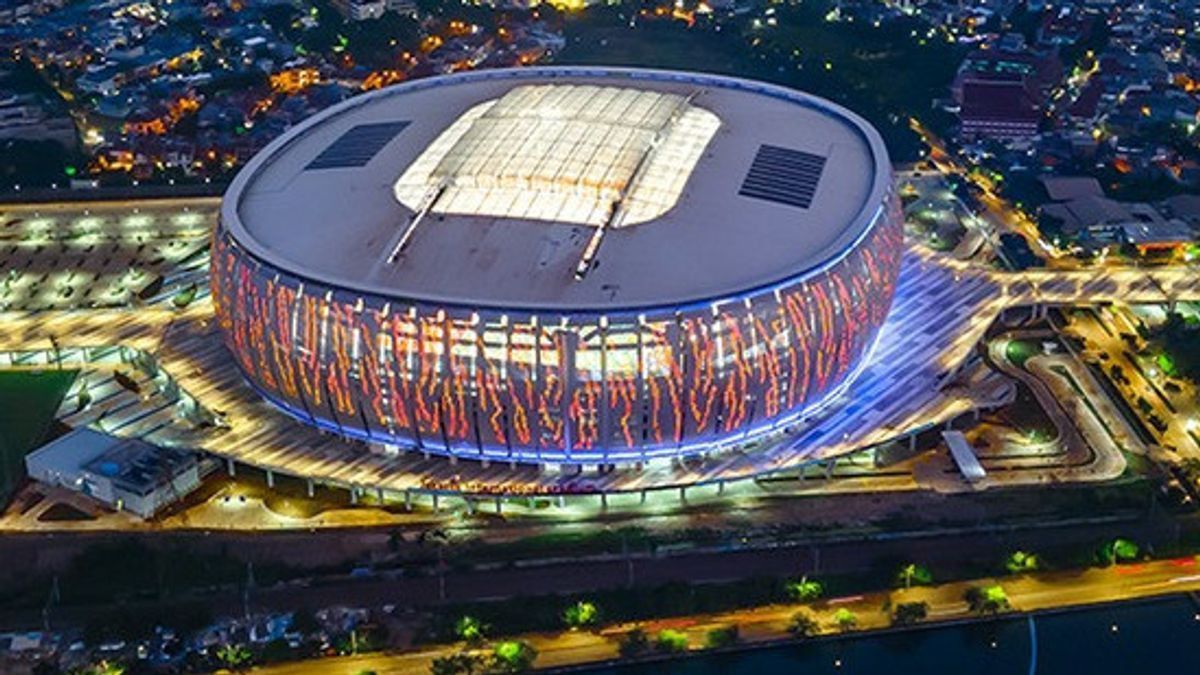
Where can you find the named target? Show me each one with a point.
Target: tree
(845, 619)
(724, 636)
(908, 613)
(671, 641)
(470, 630)
(461, 663)
(913, 573)
(987, 599)
(803, 625)
(234, 657)
(1119, 550)
(633, 643)
(805, 590)
(513, 656)
(581, 615)
(1020, 562)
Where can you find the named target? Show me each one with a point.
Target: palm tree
(470, 630)
(582, 614)
(914, 573)
(234, 657)
(805, 590)
(1018, 562)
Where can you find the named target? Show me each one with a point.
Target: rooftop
(131, 464)
(563, 188)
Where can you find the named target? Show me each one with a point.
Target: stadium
(591, 266)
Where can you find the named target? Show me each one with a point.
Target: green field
(28, 401)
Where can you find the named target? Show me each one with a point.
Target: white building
(23, 117)
(360, 10)
(405, 7)
(125, 473)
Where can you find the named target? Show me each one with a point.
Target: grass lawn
(28, 401)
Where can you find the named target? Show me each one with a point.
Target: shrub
(987, 599)
(513, 656)
(845, 619)
(908, 613)
(725, 636)
(803, 625)
(462, 663)
(671, 641)
(633, 643)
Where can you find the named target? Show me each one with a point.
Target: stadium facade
(560, 265)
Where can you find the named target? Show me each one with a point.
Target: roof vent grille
(357, 146)
(783, 176)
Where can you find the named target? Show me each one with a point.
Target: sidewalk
(1047, 591)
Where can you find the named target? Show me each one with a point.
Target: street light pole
(628, 559)
(50, 600)
(441, 572)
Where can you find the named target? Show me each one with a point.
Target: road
(815, 554)
(1087, 421)
(1026, 593)
(1104, 342)
(997, 211)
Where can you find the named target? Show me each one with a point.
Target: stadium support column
(605, 415)
(312, 488)
(643, 405)
(230, 467)
(567, 345)
(270, 478)
(676, 339)
(536, 377)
